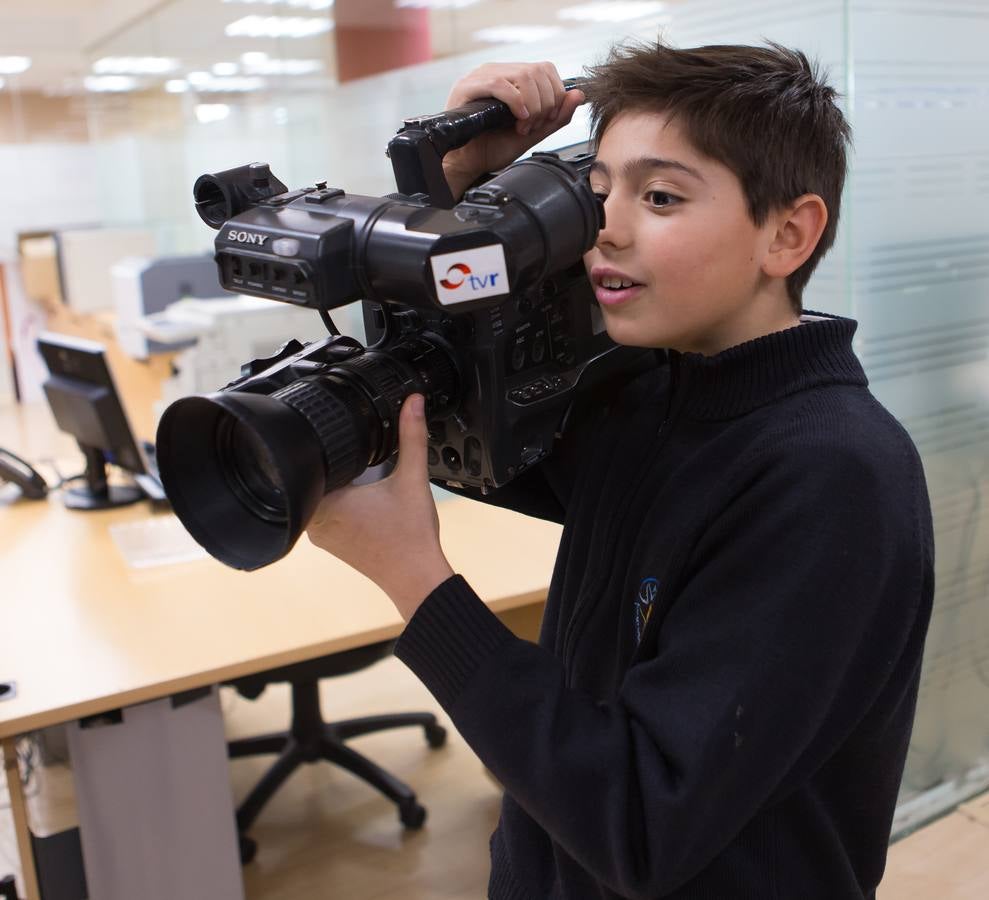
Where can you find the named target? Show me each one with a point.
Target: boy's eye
(600, 195)
(660, 199)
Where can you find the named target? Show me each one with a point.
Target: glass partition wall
(911, 261)
(917, 240)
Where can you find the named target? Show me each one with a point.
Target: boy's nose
(616, 231)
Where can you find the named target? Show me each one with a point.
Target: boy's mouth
(612, 287)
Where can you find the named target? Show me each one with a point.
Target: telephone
(16, 471)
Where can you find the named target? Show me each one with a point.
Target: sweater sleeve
(794, 608)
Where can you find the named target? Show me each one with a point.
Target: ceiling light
(134, 65)
(278, 27)
(14, 65)
(618, 11)
(515, 34)
(205, 82)
(176, 86)
(225, 68)
(109, 83)
(211, 112)
(435, 4)
(315, 5)
(261, 64)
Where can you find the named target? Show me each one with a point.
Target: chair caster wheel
(248, 849)
(412, 814)
(435, 735)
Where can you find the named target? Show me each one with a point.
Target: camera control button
(473, 456)
(437, 431)
(260, 174)
(538, 350)
(538, 390)
(518, 357)
(451, 459)
(285, 247)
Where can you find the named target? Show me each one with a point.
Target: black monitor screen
(85, 403)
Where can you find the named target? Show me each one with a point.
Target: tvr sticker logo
(468, 275)
(452, 282)
(459, 274)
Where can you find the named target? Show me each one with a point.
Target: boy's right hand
(535, 94)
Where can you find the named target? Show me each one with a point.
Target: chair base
(310, 739)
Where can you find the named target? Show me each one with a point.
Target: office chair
(310, 739)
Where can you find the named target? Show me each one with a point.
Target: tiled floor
(947, 860)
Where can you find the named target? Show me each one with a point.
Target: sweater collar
(747, 376)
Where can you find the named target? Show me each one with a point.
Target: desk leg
(19, 809)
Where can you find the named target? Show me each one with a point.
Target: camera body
(483, 306)
(499, 383)
(517, 358)
(521, 362)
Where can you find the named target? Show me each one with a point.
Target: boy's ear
(798, 229)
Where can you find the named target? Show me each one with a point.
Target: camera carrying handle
(417, 151)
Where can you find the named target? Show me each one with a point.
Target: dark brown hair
(764, 112)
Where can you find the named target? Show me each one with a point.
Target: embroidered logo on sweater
(644, 601)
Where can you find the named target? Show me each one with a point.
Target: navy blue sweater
(722, 695)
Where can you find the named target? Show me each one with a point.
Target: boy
(721, 699)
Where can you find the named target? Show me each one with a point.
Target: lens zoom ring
(381, 378)
(344, 453)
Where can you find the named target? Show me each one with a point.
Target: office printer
(143, 286)
(176, 305)
(221, 334)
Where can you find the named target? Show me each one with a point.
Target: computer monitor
(86, 405)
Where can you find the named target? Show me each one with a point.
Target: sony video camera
(482, 306)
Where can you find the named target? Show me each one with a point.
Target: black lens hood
(192, 472)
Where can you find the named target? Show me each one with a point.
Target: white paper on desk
(155, 541)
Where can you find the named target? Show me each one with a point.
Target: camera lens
(245, 471)
(250, 471)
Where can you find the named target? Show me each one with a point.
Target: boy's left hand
(389, 530)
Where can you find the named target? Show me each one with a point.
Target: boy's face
(678, 264)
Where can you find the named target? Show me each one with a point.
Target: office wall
(49, 185)
(338, 136)
(918, 234)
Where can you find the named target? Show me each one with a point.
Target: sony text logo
(459, 274)
(246, 237)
